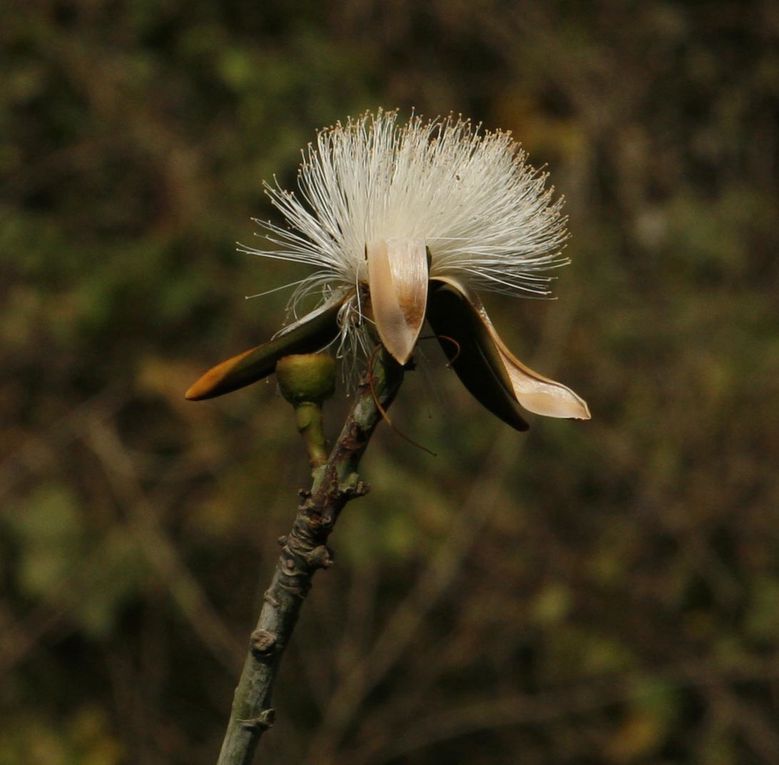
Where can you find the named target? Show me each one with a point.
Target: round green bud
(306, 377)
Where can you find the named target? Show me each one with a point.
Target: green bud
(308, 377)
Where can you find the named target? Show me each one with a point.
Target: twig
(304, 551)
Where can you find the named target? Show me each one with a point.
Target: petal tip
(199, 390)
(401, 354)
(216, 380)
(547, 397)
(191, 393)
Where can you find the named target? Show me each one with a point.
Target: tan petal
(539, 394)
(397, 281)
(533, 391)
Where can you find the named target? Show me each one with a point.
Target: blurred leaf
(50, 535)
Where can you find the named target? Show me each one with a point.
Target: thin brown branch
(303, 551)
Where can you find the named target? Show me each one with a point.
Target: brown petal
(471, 352)
(535, 393)
(308, 335)
(397, 280)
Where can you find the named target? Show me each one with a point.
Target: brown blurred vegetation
(587, 593)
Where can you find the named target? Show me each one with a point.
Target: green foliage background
(587, 593)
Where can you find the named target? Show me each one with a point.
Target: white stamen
(487, 217)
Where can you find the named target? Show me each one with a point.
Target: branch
(304, 551)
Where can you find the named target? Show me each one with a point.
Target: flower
(403, 223)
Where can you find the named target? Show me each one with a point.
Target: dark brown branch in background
(303, 551)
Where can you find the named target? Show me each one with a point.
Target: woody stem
(303, 551)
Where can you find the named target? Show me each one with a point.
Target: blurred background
(602, 592)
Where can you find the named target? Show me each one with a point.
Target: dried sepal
(533, 391)
(471, 353)
(311, 333)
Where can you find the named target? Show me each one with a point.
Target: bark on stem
(303, 551)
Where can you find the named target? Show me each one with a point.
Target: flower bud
(307, 377)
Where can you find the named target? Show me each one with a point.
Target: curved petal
(397, 280)
(471, 352)
(533, 391)
(539, 394)
(308, 335)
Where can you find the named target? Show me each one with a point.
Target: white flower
(403, 222)
(484, 214)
